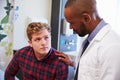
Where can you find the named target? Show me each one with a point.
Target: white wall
(28, 8)
(110, 11)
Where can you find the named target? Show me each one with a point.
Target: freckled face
(41, 42)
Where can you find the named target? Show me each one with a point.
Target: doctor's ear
(86, 17)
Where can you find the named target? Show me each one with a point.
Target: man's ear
(30, 43)
(86, 17)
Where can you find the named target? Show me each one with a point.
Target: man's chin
(44, 52)
(81, 35)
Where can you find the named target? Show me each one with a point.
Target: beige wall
(29, 9)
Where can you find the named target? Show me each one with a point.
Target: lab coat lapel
(98, 37)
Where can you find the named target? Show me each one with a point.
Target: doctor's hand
(64, 57)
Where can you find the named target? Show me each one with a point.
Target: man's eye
(46, 38)
(37, 39)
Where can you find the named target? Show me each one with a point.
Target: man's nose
(43, 41)
(70, 26)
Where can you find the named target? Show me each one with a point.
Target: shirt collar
(49, 53)
(96, 30)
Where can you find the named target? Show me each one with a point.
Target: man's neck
(39, 56)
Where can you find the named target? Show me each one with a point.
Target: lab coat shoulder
(100, 55)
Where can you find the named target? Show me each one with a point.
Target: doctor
(100, 60)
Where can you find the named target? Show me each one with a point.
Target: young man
(37, 61)
(100, 60)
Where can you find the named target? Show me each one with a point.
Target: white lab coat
(101, 59)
